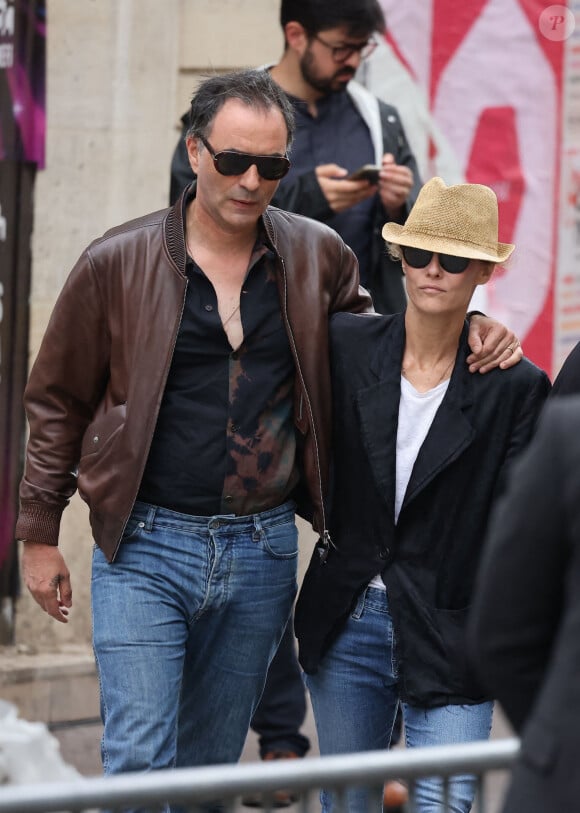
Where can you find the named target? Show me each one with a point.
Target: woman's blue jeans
(355, 697)
(185, 623)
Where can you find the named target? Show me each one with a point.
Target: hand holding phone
(339, 195)
(368, 172)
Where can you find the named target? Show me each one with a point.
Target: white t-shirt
(416, 413)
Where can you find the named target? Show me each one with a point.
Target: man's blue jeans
(355, 697)
(185, 623)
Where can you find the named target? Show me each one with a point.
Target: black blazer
(526, 616)
(428, 560)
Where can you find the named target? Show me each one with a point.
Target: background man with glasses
(341, 126)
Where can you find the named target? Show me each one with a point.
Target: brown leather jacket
(94, 391)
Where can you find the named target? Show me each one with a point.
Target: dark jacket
(302, 194)
(429, 558)
(525, 625)
(95, 389)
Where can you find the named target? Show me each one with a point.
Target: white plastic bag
(28, 751)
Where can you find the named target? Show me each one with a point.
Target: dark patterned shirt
(224, 441)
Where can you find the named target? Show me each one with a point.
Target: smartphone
(368, 172)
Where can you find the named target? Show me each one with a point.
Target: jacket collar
(174, 229)
(378, 407)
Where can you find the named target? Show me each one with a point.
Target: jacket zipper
(325, 539)
(175, 335)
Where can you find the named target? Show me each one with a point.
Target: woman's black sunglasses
(229, 162)
(420, 258)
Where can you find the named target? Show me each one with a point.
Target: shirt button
(229, 498)
(233, 427)
(235, 355)
(383, 554)
(208, 307)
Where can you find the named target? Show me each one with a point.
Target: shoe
(395, 797)
(279, 798)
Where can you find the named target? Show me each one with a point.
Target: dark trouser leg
(282, 708)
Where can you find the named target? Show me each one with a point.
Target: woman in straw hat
(421, 449)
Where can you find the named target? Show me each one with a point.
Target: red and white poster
(489, 92)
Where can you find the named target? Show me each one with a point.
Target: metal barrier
(193, 788)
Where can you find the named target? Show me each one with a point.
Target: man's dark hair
(360, 17)
(254, 88)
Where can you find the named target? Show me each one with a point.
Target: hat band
(490, 248)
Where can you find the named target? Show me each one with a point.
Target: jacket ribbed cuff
(39, 524)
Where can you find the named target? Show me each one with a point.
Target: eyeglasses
(340, 53)
(420, 258)
(230, 162)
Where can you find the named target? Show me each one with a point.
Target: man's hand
(395, 184)
(492, 345)
(341, 194)
(48, 579)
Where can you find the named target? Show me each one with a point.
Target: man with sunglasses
(183, 387)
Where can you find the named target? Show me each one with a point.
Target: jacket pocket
(100, 432)
(100, 462)
(451, 626)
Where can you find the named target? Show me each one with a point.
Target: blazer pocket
(451, 625)
(540, 745)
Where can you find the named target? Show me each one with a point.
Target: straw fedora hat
(459, 220)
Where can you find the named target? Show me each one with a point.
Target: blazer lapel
(378, 410)
(451, 431)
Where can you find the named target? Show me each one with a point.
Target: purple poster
(22, 136)
(22, 77)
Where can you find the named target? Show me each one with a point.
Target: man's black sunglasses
(420, 258)
(229, 162)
